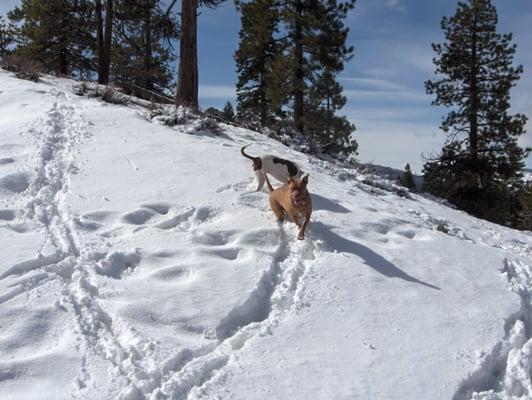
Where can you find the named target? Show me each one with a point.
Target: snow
(137, 262)
(527, 175)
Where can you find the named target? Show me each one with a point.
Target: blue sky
(384, 83)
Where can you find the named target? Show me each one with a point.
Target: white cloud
(373, 83)
(217, 92)
(392, 137)
(385, 90)
(399, 96)
(396, 5)
(395, 143)
(377, 113)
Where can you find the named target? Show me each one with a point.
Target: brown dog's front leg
(301, 234)
(295, 219)
(277, 209)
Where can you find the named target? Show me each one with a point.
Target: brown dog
(293, 199)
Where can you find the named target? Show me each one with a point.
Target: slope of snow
(137, 262)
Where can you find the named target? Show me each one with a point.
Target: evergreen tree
(6, 37)
(480, 167)
(407, 180)
(256, 60)
(142, 50)
(228, 113)
(331, 133)
(55, 32)
(289, 56)
(525, 198)
(187, 79)
(326, 93)
(316, 37)
(213, 112)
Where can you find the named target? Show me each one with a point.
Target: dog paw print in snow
(369, 345)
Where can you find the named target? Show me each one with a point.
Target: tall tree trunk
(187, 81)
(298, 68)
(328, 118)
(108, 37)
(63, 59)
(63, 40)
(147, 44)
(262, 92)
(262, 100)
(473, 114)
(103, 40)
(99, 41)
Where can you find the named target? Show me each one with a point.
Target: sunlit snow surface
(138, 262)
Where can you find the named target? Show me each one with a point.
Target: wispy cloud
(386, 96)
(396, 5)
(383, 90)
(372, 83)
(217, 92)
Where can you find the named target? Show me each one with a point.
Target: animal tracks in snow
(205, 247)
(162, 216)
(176, 219)
(15, 183)
(237, 187)
(391, 229)
(505, 372)
(6, 160)
(277, 292)
(175, 273)
(160, 208)
(7, 214)
(138, 217)
(485, 234)
(116, 263)
(201, 242)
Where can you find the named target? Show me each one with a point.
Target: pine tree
(317, 45)
(187, 79)
(331, 133)
(228, 113)
(333, 53)
(213, 112)
(142, 49)
(407, 180)
(55, 32)
(6, 37)
(525, 198)
(480, 167)
(289, 56)
(256, 57)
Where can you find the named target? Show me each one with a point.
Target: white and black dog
(279, 168)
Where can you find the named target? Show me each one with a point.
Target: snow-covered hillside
(137, 262)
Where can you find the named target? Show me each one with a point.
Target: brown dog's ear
(305, 179)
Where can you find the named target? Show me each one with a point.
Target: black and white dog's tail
(257, 162)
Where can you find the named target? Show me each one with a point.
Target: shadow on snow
(371, 259)
(323, 203)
